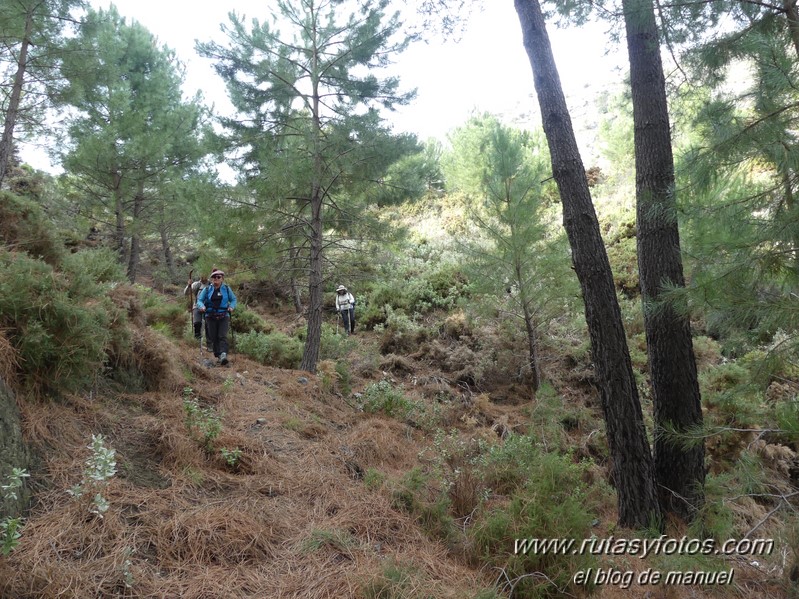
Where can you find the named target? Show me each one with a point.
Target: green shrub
(383, 397)
(24, 227)
(395, 582)
(245, 320)
(623, 259)
(10, 528)
(373, 479)
(548, 500)
(707, 352)
(344, 377)
(168, 317)
(90, 267)
(333, 346)
(440, 289)
(274, 349)
(379, 301)
(340, 540)
(61, 331)
(730, 395)
(405, 496)
(400, 334)
(203, 422)
(716, 519)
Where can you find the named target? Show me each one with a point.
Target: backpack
(210, 311)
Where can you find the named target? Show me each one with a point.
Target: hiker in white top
(345, 305)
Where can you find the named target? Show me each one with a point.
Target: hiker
(345, 305)
(195, 288)
(217, 301)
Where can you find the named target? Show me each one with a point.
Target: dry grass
(291, 519)
(156, 361)
(9, 360)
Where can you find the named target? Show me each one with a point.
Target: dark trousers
(197, 320)
(217, 334)
(348, 318)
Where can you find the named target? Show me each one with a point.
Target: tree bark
(135, 244)
(632, 459)
(119, 213)
(7, 141)
(529, 326)
(313, 338)
(166, 248)
(295, 288)
(792, 14)
(680, 472)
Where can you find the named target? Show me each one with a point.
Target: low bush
(385, 398)
(245, 320)
(60, 331)
(440, 289)
(400, 334)
(273, 349)
(24, 228)
(334, 346)
(547, 500)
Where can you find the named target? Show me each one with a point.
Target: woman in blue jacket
(216, 302)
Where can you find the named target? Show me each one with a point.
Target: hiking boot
(223, 359)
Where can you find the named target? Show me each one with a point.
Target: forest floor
(291, 516)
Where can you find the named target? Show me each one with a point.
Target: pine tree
(516, 262)
(310, 125)
(30, 46)
(132, 134)
(629, 448)
(680, 470)
(744, 176)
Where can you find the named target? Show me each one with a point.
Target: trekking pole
(202, 330)
(191, 304)
(338, 317)
(232, 335)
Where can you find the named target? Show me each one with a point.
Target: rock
(14, 453)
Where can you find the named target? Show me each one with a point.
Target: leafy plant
(231, 456)
(384, 397)
(60, 330)
(246, 321)
(547, 499)
(203, 423)
(10, 527)
(101, 466)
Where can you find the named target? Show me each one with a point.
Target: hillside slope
(308, 503)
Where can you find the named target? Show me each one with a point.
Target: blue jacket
(228, 299)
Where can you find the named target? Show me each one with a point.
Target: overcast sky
(487, 70)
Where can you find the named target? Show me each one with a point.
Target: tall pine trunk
(313, 338)
(119, 214)
(135, 237)
(166, 247)
(529, 327)
(12, 112)
(632, 459)
(680, 471)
